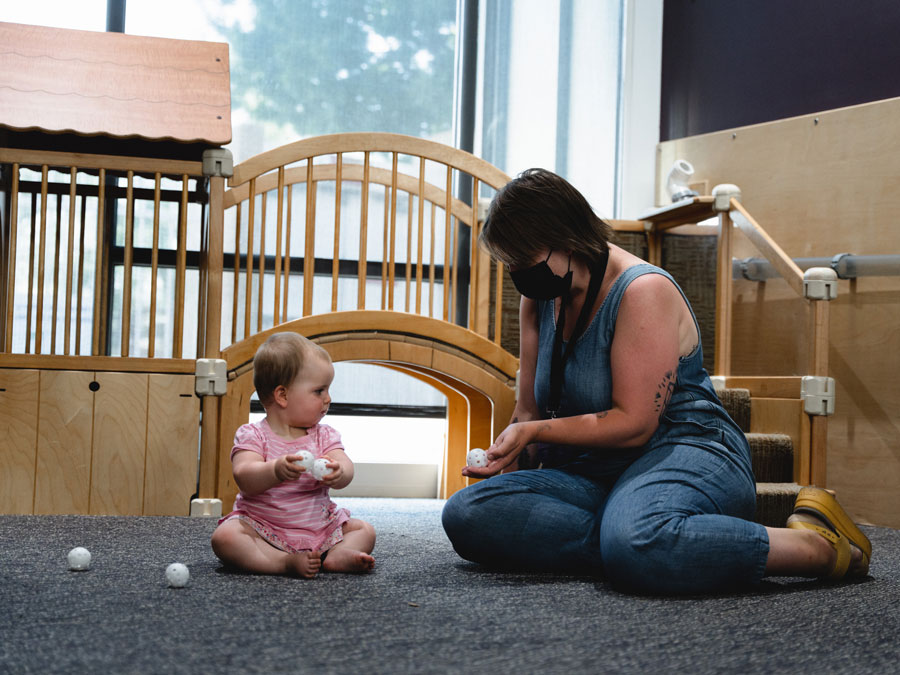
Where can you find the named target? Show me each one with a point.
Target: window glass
(81, 15)
(549, 91)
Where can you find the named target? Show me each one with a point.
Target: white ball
(320, 468)
(306, 460)
(476, 457)
(177, 575)
(79, 558)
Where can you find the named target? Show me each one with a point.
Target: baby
(283, 520)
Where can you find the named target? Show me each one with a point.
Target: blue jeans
(675, 521)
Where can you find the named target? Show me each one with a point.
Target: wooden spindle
(99, 270)
(57, 244)
(384, 246)
(363, 236)
(129, 259)
(309, 253)
(393, 234)
(31, 273)
(237, 271)
(448, 239)
(474, 272)
(409, 232)
(79, 302)
(276, 311)
(39, 312)
(262, 262)
(180, 267)
(431, 264)
(419, 243)
(248, 289)
(287, 251)
(70, 259)
(154, 265)
(336, 254)
(498, 303)
(11, 271)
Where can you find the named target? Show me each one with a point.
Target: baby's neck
(281, 428)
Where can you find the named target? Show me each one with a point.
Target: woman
(643, 476)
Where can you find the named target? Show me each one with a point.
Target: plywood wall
(821, 185)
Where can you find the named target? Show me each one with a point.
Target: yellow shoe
(840, 531)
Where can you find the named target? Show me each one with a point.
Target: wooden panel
(63, 480)
(18, 439)
(820, 185)
(784, 416)
(173, 419)
(89, 83)
(120, 441)
(233, 412)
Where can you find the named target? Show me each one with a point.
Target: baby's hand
(336, 472)
(287, 467)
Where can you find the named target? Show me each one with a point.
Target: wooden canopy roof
(111, 84)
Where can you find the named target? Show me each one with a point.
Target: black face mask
(539, 282)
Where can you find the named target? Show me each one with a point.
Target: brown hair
(279, 360)
(539, 210)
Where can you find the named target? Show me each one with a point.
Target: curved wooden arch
(476, 374)
(368, 142)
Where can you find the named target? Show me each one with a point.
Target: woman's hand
(511, 441)
(287, 469)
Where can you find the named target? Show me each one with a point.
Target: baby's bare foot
(305, 564)
(348, 560)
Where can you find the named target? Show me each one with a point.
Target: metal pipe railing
(845, 265)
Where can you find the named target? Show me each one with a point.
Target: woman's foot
(858, 566)
(305, 564)
(348, 560)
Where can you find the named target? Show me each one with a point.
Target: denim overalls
(669, 517)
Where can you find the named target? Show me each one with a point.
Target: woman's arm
(644, 361)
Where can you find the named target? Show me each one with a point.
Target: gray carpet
(423, 610)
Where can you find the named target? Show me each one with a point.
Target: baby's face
(308, 397)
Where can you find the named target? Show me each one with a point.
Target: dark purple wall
(729, 63)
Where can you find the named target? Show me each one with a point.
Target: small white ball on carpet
(79, 559)
(177, 575)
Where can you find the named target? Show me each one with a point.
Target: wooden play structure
(363, 242)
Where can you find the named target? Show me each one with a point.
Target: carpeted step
(772, 456)
(775, 502)
(737, 404)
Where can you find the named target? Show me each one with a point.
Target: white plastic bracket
(718, 381)
(211, 377)
(484, 203)
(722, 196)
(208, 508)
(218, 162)
(820, 283)
(817, 392)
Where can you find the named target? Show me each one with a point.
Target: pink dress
(295, 515)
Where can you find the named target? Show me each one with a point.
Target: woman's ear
(279, 396)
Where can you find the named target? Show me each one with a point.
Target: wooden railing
(74, 271)
(373, 220)
(725, 204)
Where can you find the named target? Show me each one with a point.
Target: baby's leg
(352, 554)
(238, 545)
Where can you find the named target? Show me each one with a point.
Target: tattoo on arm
(664, 393)
(601, 415)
